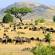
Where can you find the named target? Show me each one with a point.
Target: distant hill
(37, 10)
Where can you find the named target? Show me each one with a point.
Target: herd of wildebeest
(6, 39)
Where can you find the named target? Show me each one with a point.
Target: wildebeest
(14, 28)
(9, 40)
(17, 40)
(6, 40)
(32, 38)
(34, 28)
(44, 32)
(45, 40)
(20, 27)
(21, 40)
(30, 28)
(50, 30)
(41, 28)
(25, 27)
(37, 39)
(4, 34)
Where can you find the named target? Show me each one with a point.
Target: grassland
(12, 49)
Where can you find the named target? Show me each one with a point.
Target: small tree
(48, 37)
(54, 18)
(7, 18)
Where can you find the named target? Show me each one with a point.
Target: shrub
(43, 50)
(36, 22)
(7, 18)
(54, 18)
(40, 20)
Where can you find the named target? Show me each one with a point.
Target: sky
(5, 3)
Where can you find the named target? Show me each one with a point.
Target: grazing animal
(17, 40)
(32, 38)
(4, 40)
(25, 39)
(21, 40)
(25, 27)
(4, 34)
(50, 30)
(44, 32)
(34, 28)
(41, 28)
(37, 39)
(30, 28)
(9, 40)
(20, 27)
(45, 40)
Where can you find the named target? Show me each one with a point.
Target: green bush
(43, 50)
(40, 20)
(36, 22)
(54, 18)
(7, 18)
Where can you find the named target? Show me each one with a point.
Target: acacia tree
(19, 12)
